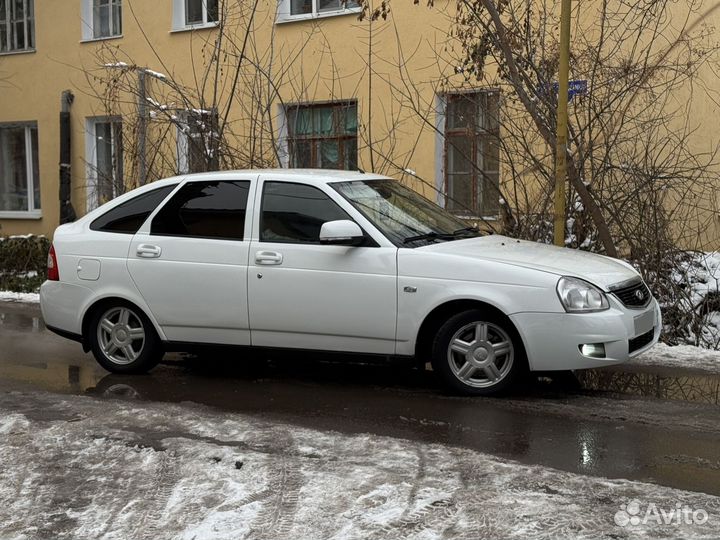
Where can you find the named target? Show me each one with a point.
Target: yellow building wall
(393, 68)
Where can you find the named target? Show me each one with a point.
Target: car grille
(633, 296)
(640, 341)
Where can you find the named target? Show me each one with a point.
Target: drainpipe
(142, 128)
(67, 212)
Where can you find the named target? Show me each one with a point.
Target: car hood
(597, 269)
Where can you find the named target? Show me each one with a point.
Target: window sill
(190, 28)
(103, 38)
(313, 16)
(35, 214)
(21, 51)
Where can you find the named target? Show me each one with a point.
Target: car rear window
(129, 216)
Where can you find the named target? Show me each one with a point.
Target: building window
(105, 164)
(323, 136)
(19, 174)
(17, 27)
(200, 12)
(303, 9)
(195, 13)
(197, 144)
(472, 153)
(107, 18)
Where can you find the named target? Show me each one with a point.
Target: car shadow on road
(223, 375)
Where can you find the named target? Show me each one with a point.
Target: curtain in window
(13, 170)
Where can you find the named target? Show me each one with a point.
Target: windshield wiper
(466, 230)
(428, 236)
(440, 236)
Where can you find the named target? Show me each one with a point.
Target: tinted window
(129, 216)
(205, 210)
(294, 213)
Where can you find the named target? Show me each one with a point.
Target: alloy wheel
(481, 354)
(121, 335)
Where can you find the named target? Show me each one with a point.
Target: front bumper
(552, 340)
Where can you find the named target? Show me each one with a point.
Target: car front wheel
(123, 339)
(476, 353)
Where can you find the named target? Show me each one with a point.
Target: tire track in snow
(166, 477)
(419, 477)
(437, 515)
(280, 499)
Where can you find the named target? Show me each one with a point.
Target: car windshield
(406, 218)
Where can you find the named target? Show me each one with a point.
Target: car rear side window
(294, 213)
(127, 217)
(205, 210)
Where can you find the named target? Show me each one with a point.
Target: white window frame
(284, 15)
(440, 113)
(92, 193)
(87, 20)
(29, 24)
(184, 134)
(179, 23)
(31, 212)
(282, 143)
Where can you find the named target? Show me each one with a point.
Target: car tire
(478, 353)
(122, 338)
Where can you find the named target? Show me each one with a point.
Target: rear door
(189, 261)
(303, 294)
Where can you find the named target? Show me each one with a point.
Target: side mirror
(342, 232)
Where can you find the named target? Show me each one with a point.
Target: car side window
(213, 209)
(294, 213)
(128, 217)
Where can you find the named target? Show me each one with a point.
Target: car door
(189, 262)
(303, 294)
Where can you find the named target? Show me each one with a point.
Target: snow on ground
(11, 296)
(77, 467)
(701, 273)
(679, 356)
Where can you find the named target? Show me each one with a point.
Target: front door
(303, 294)
(190, 263)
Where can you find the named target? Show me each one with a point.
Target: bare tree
(636, 59)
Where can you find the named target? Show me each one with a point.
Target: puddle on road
(21, 321)
(696, 388)
(82, 373)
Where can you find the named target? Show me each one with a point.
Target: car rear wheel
(476, 353)
(123, 339)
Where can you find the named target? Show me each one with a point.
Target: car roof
(310, 176)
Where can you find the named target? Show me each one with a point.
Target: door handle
(267, 258)
(148, 251)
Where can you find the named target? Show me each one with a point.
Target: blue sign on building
(575, 88)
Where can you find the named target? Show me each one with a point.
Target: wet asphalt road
(557, 424)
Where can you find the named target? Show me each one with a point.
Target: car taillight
(53, 274)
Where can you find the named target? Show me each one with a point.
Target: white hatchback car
(334, 261)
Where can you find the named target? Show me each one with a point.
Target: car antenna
(361, 171)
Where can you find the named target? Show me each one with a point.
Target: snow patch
(680, 356)
(120, 470)
(12, 296)
(156, 74)
(13, 423)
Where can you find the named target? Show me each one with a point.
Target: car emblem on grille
(640, 295)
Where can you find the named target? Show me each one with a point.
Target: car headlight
(577, 296)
